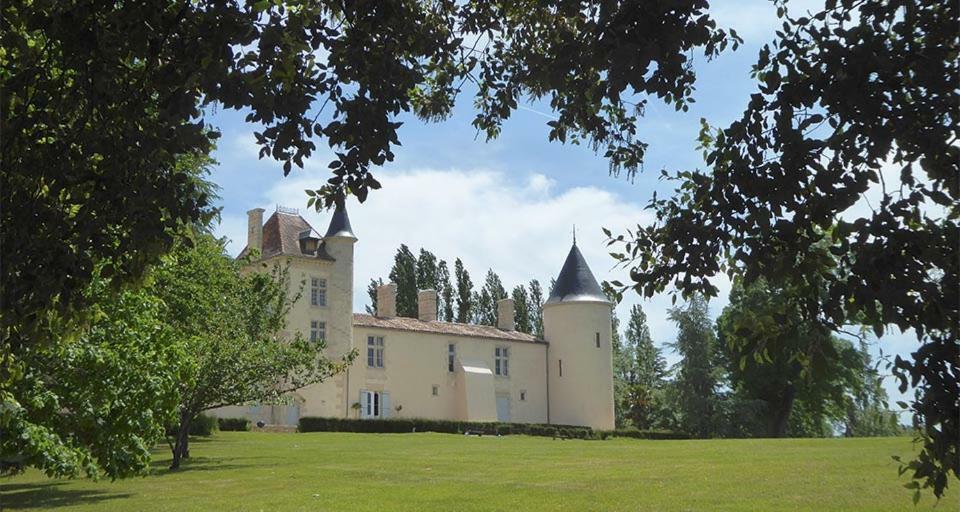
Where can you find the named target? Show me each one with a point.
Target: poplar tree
(697, 378)
(521, 312)
(535, 308)
(465, 293)
(404, 274)
(445, 292)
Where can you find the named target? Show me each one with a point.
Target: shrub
(403, 425)
(202, 425)
(642, 434)
(233, 424)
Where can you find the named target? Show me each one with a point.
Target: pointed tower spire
(576, 282)
(340, 223)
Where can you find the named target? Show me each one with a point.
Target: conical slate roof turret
(576, 282)
(340, 223)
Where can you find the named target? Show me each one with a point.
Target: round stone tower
(576, 324)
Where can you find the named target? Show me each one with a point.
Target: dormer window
(308, 242)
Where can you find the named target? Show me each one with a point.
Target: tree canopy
(857, 98)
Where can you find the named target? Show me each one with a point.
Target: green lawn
(377, 472)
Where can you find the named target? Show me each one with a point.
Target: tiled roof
(281, 235)
(436, 327)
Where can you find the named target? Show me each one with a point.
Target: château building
(426, 368)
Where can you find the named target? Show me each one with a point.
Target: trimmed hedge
(405, 425)
(233, 424)
(642, 434)
(202, 425)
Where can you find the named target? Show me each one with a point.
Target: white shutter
(364, 397)
(384, 404)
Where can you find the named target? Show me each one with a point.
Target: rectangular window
(598, 340)
(318, 330)
(501, 362)
(374, 404)
(451, 356)
(523, 396)
(375, 351)
(560, 363)
(436, 390)
(318, 292)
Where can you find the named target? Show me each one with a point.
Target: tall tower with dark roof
(576, 324)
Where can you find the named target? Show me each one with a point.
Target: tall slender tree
(697, 377)
(372, 293)
(646, 371)
(445, 292)
(493, 291)
(521, 313)
(535, 308)
(404, 274)
(427, 271)
(465, 293)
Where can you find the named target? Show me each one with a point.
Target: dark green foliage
(407, 425)
(427, 271)
(203, 425)
(521, 313)
(772, 354)
(492, 291)
(465, 304)
(698, 374)
(535, 308)
(642, 370)
(372, 293)
(643, 434)
(445, 293)
(857, 96)
(233, 424)
(404, 274)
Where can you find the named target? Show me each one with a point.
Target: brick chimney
(427, 305)
(255, 229)
(387, 300)
(505, 315)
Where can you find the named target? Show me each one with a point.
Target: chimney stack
(387, 300)
(505, 315)
(427, 305)
(255, 229)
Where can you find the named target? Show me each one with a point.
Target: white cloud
(520, 225)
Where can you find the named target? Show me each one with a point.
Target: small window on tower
(560, 364)
(523, 396)
(598, 340)
(436, 390)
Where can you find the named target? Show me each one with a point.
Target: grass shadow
(50, 495)
(196, 464)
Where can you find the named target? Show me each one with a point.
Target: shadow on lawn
(193, 464)
(50, 495)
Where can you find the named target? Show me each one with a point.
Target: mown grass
(380, 472)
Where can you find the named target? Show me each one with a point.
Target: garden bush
(202, 425)
(405, 425)
(233, 424)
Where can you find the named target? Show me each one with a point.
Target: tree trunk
(180, 445)
(781, 413)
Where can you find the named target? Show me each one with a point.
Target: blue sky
(509, 204)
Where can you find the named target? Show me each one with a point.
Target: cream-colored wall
(327, 398)
(584, 394)
(414, 362)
